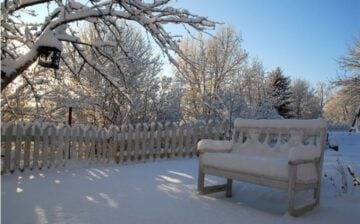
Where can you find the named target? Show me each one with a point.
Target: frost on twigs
(339, 180)
(19, 35)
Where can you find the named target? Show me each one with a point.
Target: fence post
(181, 151)
(174, 140)
(152, 141)
(28, 133)
(159, 140)
(67, 144)
(8, 146)
(121, 154)
(114, 144)
(145, 142)
(18, 146)
(130, 143)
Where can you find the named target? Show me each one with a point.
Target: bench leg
(201, 181)
(300, 210)
(229, 188)
(212, 189)
(317, 194)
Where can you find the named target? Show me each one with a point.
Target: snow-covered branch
(21, 39)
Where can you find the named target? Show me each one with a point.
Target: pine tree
(278, 92)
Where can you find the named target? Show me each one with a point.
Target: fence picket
(167, 130)
(91, 135)
(152, 141)
(60, 139)
(45, 144)
(121, 154)
(144, 142)
(137, 141)
(114, 143)
(130, 143)
(52, 148)
(80, 152)
(67, 132)
(188, 145)
(99, 145)
(181, 151)
(45, 150)
(28, 132)
(174, 140)
(8, 146)
(36, 147)
(18, 146)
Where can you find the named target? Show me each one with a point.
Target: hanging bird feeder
(49, 51)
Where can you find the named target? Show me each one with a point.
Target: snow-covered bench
(286, 154)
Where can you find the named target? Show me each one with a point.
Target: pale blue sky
(303, 37)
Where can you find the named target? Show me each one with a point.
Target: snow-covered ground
(165, 192)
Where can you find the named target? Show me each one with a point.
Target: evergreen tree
(278, 92)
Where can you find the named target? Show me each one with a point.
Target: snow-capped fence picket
(47, 145)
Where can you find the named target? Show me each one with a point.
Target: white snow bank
(165, 192)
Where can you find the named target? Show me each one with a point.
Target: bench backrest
(277, 136)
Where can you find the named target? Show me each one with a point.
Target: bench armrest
(304, 154)
(207, 145)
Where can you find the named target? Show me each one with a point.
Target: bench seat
(279, 153)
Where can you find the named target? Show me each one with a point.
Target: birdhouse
(49, 57)
(49, 51)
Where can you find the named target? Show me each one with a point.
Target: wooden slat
(99, 145)
(59, 145)
(91, 144)
(152, 141)
(137, 142)
(86, 143)
(28, 132)
(122, 141)
(145, 142)
(106, 147)
(18, 145)
(167, 130)
(195, 140)
(130, 142)
(52, 148)
(45, 149)
(114, 143)
(8, 146)
(188, 145)
(180, 146)
(159, 140)
(67, 133)
(35, 156)
(80, 143)
(174, 140)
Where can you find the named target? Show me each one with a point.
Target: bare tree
(21, 39)
(213, 63)
(305, 103)
(350, 84)
(250, 82)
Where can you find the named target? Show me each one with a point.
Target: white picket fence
(47, 145)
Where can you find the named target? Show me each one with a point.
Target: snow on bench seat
(273, 167)
(279, 153)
